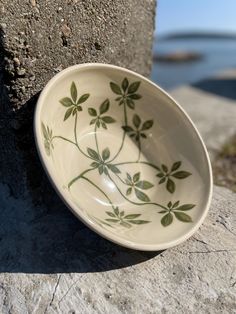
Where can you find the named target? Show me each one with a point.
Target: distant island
(197, 35)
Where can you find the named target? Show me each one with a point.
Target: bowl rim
(73, 208)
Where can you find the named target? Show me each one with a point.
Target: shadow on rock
(38, 234)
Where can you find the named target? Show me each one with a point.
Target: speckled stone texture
(39, 38)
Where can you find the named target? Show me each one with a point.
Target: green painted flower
(126, 221)
(167, 176)
(138, 131)
(100, 119)
(178, 211)
(74, 103)
(136, 185)
(47, 134)
(101, 163)
(127, 92)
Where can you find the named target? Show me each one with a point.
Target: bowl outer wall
(102, 232)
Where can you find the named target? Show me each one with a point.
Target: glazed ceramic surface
(123, 156)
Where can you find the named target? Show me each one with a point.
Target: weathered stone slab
(49, 264)
(214, 115)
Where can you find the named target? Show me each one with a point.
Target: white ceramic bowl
(123, 156)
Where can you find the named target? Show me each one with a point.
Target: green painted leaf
(74, 111)
(68, 113)
(132, 216)
(98, 123)
(93, 121)
(164, 168)
(125, 224)
(67, 102)
(118, 98)
(147, 125)
(181, 174)
(170, 185)
(104, 125)
(185, 207)
(113, 168)
(162, 180)
(92, 112)
(142, 196)
(176, 204)
(100, 169)
(105, 170)
(115, 88)
(47, 147)
(160, 175)
(116, 211)
(83, 98)
(128, 191)
(183, 217)
(127, 128)
(79, 108)
(44, 130)
(104, 106)
(136, 177)
(122, 213)
(125, 84)
(94, 164)
(162, 211)
(110, 214)
(105, 153)
(135, 96)
(121, 102)
(128, 182)
(129, 177)
(144, 185)
(73, 92)
(167, 220)
(133, 87)
(112, 220)
(92, 153)
(130, 103)
(143, 135)
(176, 166)
(169, 204)
(136, 121)
(108, 119)
(139, 222)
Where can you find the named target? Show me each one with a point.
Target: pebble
(33, 2)
(21, 72)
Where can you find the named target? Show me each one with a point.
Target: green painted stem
(146, 203)
(139, 150)
(124, 134)
(121, 179)
(97, 187)
(63, 138)
(138, 162)
(78, 177)
(96, 139)
(75, 131)
(69, 141)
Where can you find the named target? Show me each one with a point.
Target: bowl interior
(123, 156)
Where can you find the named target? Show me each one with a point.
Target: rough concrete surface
(49, 261)
(38, 38)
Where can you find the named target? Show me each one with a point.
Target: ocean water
(218, 55)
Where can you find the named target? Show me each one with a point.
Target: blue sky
(187, 15)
